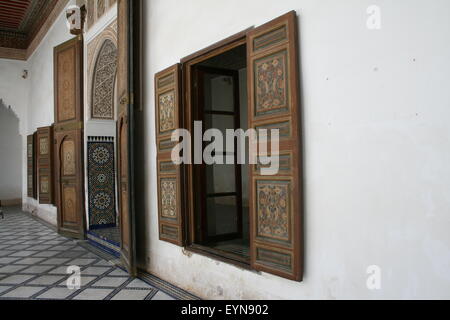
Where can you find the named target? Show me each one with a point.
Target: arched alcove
(103, 82)
(10, 155)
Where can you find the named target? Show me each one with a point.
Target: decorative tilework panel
(101, 183)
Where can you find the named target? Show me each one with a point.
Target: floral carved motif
(271, 84)
(273, 209)
(167, 111)
(168, 198)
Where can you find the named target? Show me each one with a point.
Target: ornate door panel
(127, 30)
(276, 200)
(31, 166)
(68, 137)
(45, 164)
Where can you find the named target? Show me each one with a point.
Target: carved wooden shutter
(31, 165)
(276, 201)
(45, 164)
(69, 160)
(167, 95)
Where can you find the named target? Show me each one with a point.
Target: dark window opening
(221, 190)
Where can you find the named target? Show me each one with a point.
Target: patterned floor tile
(4, 288)
(127, 294)
(36, 269)
(34, 261)
(54, 261)
(46, 254)
(162, 296)
(59, 270)
(8, 260)
(95, 271)
(118, 272)
(23, 292)
(137, 283)
(57, 294)
(81, 262)
(29, 261)
(25, 253)
(93, 294)
(46, 280)
(11, 269)
(16, 279)
(110, 282)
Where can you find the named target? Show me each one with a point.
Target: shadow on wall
(10, 155)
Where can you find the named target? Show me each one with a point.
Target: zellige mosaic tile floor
(34, 261)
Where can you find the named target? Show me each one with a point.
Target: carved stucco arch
(95, 49)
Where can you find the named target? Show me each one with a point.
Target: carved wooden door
(127, 10)
(68, 81)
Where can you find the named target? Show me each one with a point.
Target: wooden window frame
(272, 48)
(187, 65)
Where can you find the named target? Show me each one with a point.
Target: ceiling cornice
(24, 54)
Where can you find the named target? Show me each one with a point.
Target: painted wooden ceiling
(20, 20)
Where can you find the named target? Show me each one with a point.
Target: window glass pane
(220, 178)
(219, 93)
(222, 215)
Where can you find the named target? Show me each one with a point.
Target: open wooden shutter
(31, 167)
(167, 95)
(276, 201)
(128, 28)
(45, 164)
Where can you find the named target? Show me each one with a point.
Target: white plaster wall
(10, 155)
(40, 103)
(376, 148)
(13, 89)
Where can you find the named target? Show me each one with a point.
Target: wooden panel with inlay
(45, 164)
(276, 200)
(68, 138)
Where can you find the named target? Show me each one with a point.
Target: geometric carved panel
(167, 111)
(274, 258)
(103, 82)
(69, 197)
(271, 95)
(66, 85)
(43, 146)
(68, 158)
(273, 209)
